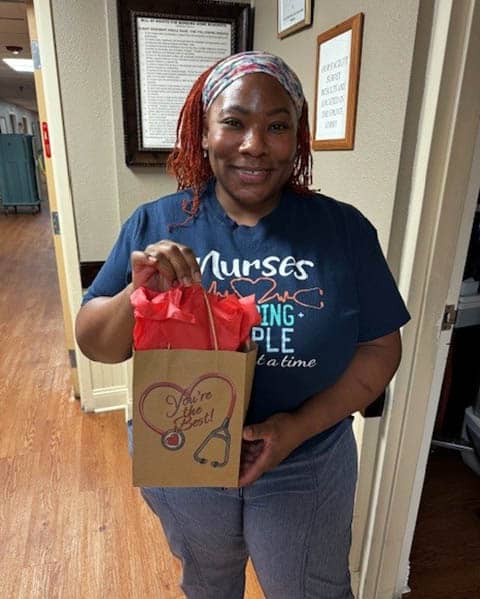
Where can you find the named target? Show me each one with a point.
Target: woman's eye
(279, 126)
(231, 122)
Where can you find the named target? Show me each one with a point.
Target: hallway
(72, 526)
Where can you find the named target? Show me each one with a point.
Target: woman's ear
(204, 140)
(205, 135)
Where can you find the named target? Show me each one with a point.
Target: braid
(186, 161)
(301, 176)
(192, 170)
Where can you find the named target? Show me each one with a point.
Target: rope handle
(213, 330)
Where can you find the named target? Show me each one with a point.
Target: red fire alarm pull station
(46, 140)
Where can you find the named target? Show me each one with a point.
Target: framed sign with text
(337, 77)
(164, 46)
(293, 15)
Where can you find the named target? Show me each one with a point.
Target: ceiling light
(14, 49)
(20, 64)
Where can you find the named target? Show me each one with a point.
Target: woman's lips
(253, 175)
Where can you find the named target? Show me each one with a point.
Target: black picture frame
(238, 14)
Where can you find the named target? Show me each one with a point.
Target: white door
(442, 352)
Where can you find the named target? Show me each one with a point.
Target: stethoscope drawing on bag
(174, 439)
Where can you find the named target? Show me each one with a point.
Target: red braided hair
(192, 169)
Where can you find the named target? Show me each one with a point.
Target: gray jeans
(294, 523)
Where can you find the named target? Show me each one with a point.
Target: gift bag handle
(213, 330)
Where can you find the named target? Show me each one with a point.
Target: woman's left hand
(266, 444)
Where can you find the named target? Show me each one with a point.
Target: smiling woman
(244, 221)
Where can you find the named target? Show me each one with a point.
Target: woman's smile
(252, 176)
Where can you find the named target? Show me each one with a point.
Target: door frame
(67, 254)
(442, 175)
(442, 355)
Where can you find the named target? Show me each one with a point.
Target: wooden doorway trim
(47, 88)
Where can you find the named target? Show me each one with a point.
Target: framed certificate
(293, 15)
(164, 46)
(337, 77)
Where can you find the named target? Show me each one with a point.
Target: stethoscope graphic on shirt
(174, 439)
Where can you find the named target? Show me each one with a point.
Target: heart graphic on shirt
(262, 288)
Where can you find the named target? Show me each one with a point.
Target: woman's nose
(253, 143)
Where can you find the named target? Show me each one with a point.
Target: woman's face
(250, 133)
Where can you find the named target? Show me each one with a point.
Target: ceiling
(15, 88)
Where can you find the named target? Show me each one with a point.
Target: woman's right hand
(164, 264)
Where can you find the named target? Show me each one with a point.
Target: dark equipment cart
(18, 185)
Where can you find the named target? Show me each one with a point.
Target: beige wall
(367, 175)
(105, 190)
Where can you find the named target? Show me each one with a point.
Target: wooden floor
(71, 525)
(445, 557)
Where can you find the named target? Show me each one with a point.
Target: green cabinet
(18, 185)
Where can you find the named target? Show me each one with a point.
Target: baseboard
(109, 399)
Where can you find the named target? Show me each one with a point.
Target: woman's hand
(266, 444)
(163, 265)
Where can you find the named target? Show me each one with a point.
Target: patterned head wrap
(233, 67)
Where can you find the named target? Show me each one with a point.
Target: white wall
(104, 190)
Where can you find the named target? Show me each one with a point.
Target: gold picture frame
(336, 87)
(293, 15)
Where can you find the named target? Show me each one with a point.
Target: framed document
(164, 46)
(293, 15)
(338, 67)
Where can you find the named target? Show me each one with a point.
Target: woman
(244, 221)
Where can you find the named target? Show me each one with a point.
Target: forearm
(104, 328)
(366, 377)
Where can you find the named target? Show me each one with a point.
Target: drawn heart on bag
(179, 401)
(262, 288)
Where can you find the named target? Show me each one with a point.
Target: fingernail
(187, 281)
(197, 277)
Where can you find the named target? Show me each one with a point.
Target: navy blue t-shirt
(317, 271)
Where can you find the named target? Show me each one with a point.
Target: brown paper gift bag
(188, 412)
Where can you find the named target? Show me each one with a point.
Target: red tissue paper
(179, 319)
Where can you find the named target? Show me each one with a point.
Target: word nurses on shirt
(279, 306)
